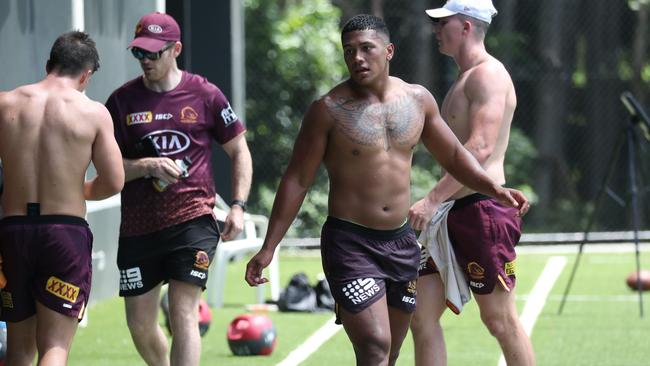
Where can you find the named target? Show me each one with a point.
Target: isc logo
(408, 299)
(198, 274)
(170, 142)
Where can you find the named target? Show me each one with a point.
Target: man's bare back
(469, 91)
(49, 133)
(369, 151)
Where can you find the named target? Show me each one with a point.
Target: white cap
(479, 9)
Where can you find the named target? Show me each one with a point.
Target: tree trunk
(639, 53)
(377, 8)
(421, 44)
(554, 84)
(605, 41)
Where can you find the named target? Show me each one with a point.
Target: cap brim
(148, 44)
(439, 13)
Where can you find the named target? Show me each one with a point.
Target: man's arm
(308, 153)
(106, 158)
(486, 95)
(242, 176)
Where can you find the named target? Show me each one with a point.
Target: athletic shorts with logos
(46, 259)
(182, 252)
(363, 264)
(484, 234)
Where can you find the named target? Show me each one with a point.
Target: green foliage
(423, 178)
(519, 163)
(294, 49)
(579, 75)
(312, 213)
(636, 5)
(514, 46)
(519, 167)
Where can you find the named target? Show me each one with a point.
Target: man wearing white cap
(479, 108)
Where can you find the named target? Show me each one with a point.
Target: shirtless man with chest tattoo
(364, 131)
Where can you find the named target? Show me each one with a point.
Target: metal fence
(570, 62)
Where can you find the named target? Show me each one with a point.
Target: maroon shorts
(46, 259)
(362, 264)
(484, 234)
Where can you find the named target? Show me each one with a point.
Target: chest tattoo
(386, 124)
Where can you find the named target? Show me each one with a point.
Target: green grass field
(600, 324)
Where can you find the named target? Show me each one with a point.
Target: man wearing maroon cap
(164, 122)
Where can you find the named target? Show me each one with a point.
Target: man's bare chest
(395, 123)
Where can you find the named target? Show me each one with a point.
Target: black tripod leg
(603, 188)
(631, 152)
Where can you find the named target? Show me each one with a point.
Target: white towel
(435, 239)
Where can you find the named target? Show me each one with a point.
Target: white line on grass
(537, 297)
(589, 298)
(311, 344)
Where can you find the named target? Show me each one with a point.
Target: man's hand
(164, 169)
(513, 198)
(421, 212)
(256, 265)
(234, 223)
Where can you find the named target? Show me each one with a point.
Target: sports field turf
(600, 324)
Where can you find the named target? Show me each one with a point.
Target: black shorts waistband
(366, 231)
(468, 200)
(43, 219)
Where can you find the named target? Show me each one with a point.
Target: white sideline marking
(538, 295)
(589, 298)
(311, 344)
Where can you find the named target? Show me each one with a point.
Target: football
(645, 280)
(251, 334)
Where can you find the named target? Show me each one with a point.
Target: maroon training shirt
(182, 122)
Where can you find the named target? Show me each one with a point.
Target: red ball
(645, 280)
(205, 317)
(205, 314)
(251, 334)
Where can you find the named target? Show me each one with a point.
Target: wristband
(239, 203)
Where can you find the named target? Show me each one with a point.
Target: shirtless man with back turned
(49, 133)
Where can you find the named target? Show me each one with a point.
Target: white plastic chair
(249, 240)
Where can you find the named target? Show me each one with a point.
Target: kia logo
(170, 142)
(154, 28)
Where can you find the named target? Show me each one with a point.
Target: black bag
(324, 298)
(298, 296)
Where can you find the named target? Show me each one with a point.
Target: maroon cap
(154, 30)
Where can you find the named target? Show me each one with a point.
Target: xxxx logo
(139, 118)
(62, 289)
